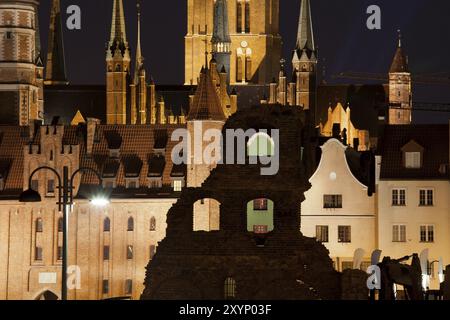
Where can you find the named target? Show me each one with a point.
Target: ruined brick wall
(354, 285)
(280, 265)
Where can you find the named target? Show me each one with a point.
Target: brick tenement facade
(235, 263)
(110, 245)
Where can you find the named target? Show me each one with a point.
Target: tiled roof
(400, 62)
(135, 158)
(206, 104)
(433, 138)
(135, 154)
(12, 142)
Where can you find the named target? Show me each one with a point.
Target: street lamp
(65, 199)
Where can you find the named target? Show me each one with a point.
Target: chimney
(92, 125)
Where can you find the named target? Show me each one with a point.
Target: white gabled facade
(413, 198)
(333, 177)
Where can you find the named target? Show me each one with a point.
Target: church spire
(305, 35)
(221, 40)
(118, 37)
(400, 62)
(139, 58)
(56, 66)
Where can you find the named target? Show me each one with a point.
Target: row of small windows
(426, 197)
(128, 286)
(129, 252)
(426, 234)
(130, 224)
(39, 225)
(344, 234)
(153, 183)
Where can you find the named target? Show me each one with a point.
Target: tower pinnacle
(56, 66)
(305, 48)
(221, 40)
(139, 58)
(118, 37)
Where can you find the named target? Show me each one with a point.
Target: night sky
(341, 34)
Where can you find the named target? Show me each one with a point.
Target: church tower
(205, 113)
(304, 60)
(400, 93)
(21, 96)
(117, 68)
(253, 26)
(139, 86)
(55, 69)
(221, 41)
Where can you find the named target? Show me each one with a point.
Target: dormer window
(114, 153)
(161, 139)
(132, 183)
(109, 183)
(412, 155)
(109, 174)
(412, 160)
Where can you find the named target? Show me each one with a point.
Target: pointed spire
(305, 34)
(56, 66)
(221, 33)
(118, 37)
(221, 40)
(400, 62)
(38, 48)
(206, 103)
(139, 58)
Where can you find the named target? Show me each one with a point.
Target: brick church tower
(21, 75)
(304, 60)
(400, 88)
(255, 39)
(117, 68)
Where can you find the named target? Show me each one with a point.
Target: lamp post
(65, 199)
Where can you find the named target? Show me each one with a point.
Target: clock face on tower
(244, 44)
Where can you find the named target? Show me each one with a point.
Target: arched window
(130, 224)
(60, 225)
(39, 225)
(261, 145)
(260, 216)
(152, 224)
(106, 225)
(230, 288)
